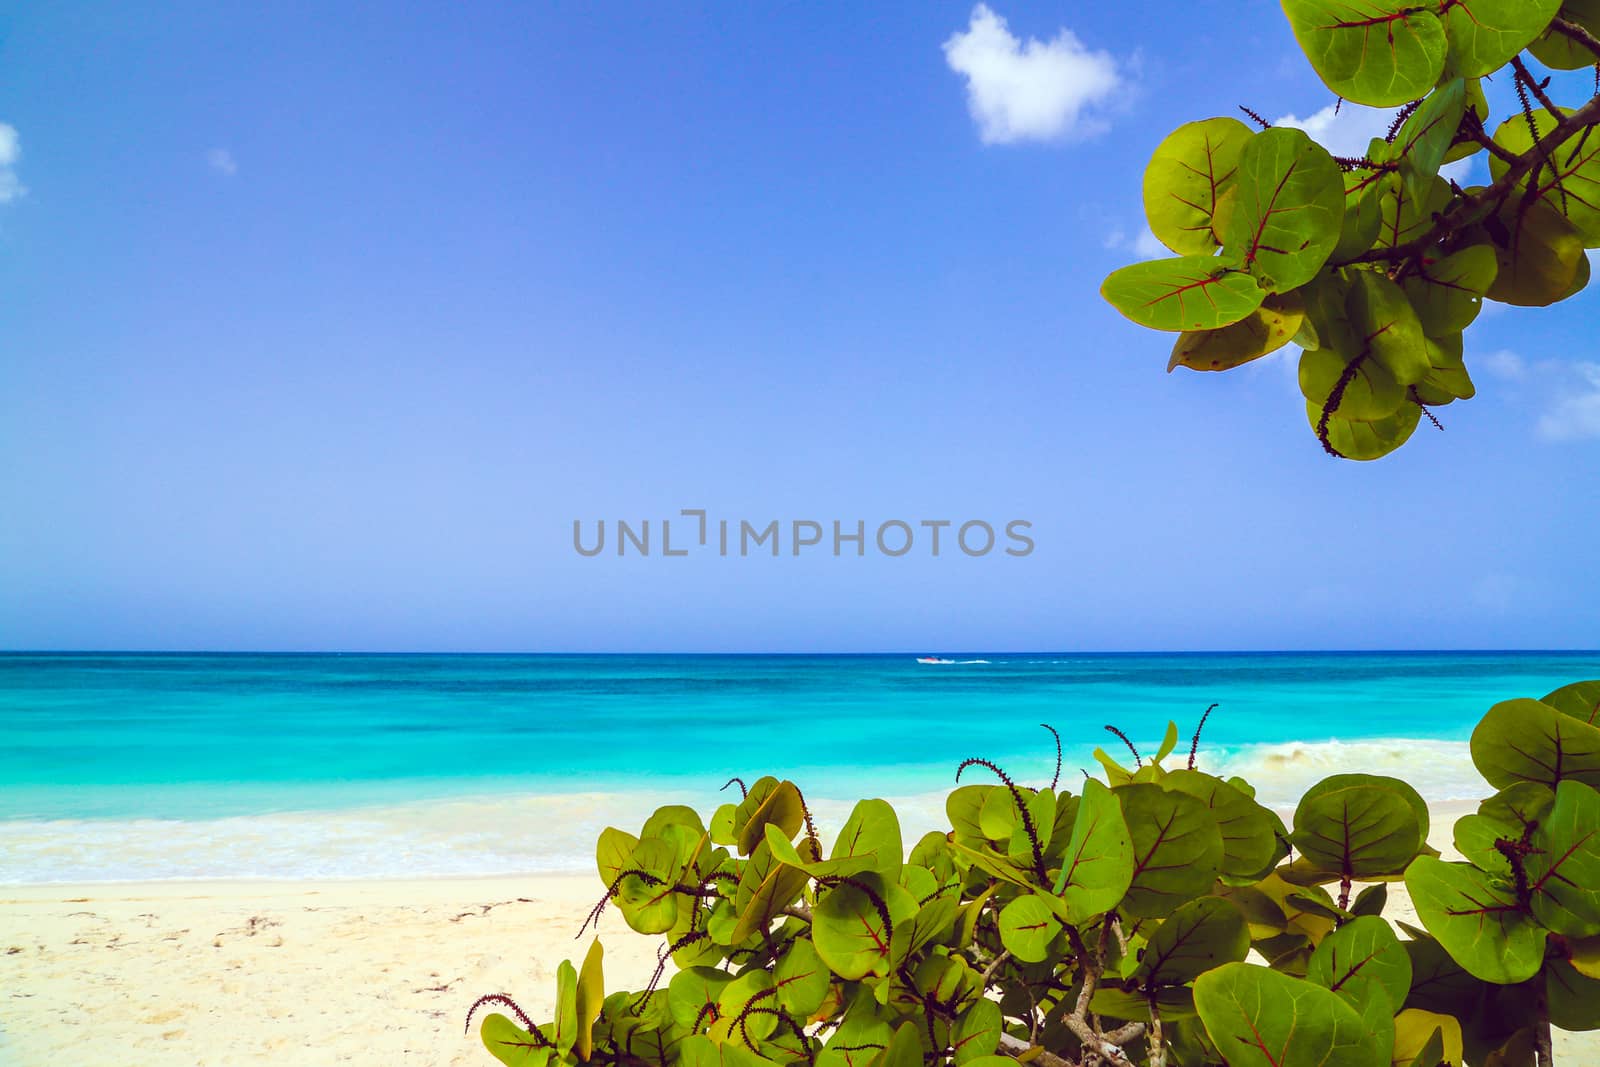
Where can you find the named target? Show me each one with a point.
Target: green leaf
(1200, 935)
(735, 1023)
(1574, 998)
(1382, 53)
(1098, 864)
(690, 992)
(978, 1031)
(769, 801)
(1027, 926)
(802, 979)
(566, 1021)
(1539, 253)
(590, 995)
(904, 1048)
(1560, 52)
(1447, 379)
(1360, 440)
(511, 1044)
(1426, 1039)
(1360, 826)
(1478, 921)
(1189, 293)
(1261, 1018)
(1361, 958)
(1351, 385)
(766, 886)
(1483, 35)
(1265, 330)
(1250, 845)
(873, 829)
(849, 930)
(1564, 866)
(613, 853)
(1177, 848)
(649, 905)
(1529, 741)
(964, 806)
(860, 1038)
(1363, 192)
(1290, 208)
(1580, 700)
(1425, 137)
(1191, 169)
(1447, 293)
(1510, 813)
(1569, 181)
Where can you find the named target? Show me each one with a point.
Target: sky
(319, 329)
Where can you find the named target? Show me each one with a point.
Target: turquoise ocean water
(247, 766)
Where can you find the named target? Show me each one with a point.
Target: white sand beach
(218, 974)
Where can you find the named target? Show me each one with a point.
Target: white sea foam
(522, 833)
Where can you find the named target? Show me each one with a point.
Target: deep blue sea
(203, 766)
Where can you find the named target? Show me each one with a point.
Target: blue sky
(319, 329)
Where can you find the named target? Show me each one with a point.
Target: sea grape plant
(1160, 915)
(1375, 264)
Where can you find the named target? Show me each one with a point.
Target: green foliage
(1375, 265)
(1160, 917)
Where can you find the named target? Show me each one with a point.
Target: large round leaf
(1426, 1038)
(1539, 251)
(1265, 330)
(692, 994)
(1529, 741)
(1447, 293)
(1569, 181)
(1580, 700)
(769, 801)
(512, 1045)
(1558, 51)
(1250, 845)
(1361, 958)
(766, 886)
(1574, 998)
(1260, 1018)
(802, 979)
(1360, 440)
(977, 1032)
(1191, 169)
(1478, 921)
(1382, 53)
(853, 925)
(1027, 926)
(1177, 848)
(1351, 385)
(873, 829)
(1483, 35)
(1360, 826)
(1200, 935)
(1098, 864)
(1563, 867)
(648, 904)
(1188, 293)
(1288, 211)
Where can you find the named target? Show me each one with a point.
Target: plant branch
(1572, 31)
(1468, 207)
(1017, 1049)
(1535, 87)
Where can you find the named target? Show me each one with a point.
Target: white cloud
(1033, 90)
(1347, 129)
(221, 161)
(1505, 364)
(1148, 245)
(1576, 414)
(11, 186)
